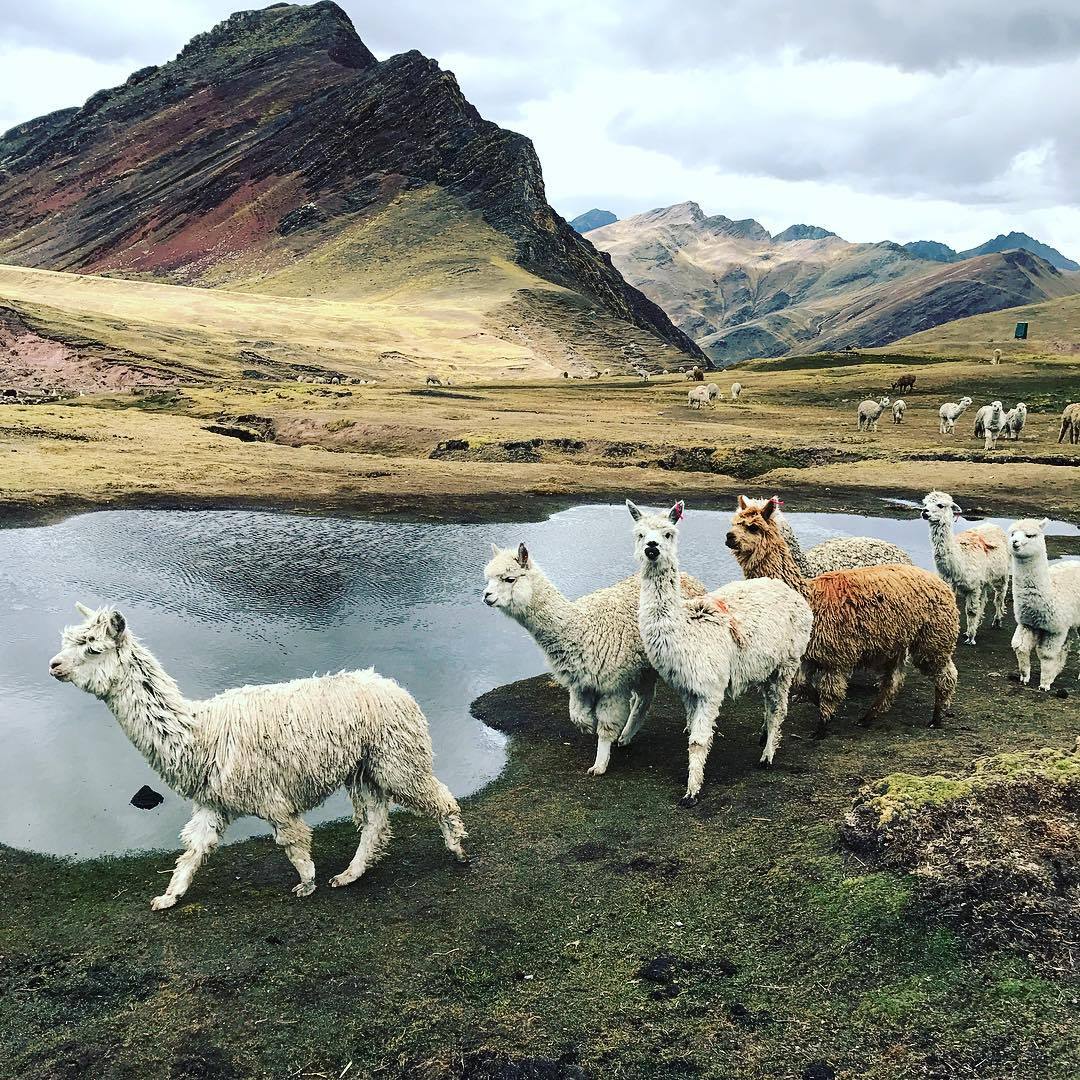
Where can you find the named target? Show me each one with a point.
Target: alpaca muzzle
(652, 551)
(57, 669)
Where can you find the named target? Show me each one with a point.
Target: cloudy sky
(950, 120)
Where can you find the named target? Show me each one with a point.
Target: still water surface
(231, 597)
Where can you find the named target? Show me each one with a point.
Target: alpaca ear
(741, 502)
(675, 514)
(83, 610)
(523, 556)
(768, 510)
(494, 549)
(1043, 524)
(635, 513)
(956, 509)
(117, 624)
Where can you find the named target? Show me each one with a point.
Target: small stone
(146, 798)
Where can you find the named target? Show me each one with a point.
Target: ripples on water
(231, 597)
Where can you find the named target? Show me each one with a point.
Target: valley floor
(517, 449)
(600, 930)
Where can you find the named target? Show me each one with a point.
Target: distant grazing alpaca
(989, 424)
(1015, 419)
(839, 553)
(272, 751)
(869, 411)
(716, 647)
(592, 644)
(1070, 423)
(974, 562)
(697, 396)
(898, 410)
(874, 617)
(433, 380)
(714, 391)
(1046, 602)
(949, 413)
(736, 390)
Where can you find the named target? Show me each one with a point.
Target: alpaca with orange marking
(975, 563)
(749, 634)
(872, 617)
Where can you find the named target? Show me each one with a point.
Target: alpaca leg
(832, 689)
(1023, 641)
(777, 690)
(975, 609)
(1053, 651)
(944, 687)
(1000, 595)
(611, 719)
(200, 836)
(582, 715)
(293, 835)
(640, 703)
(702, 721)
(371, 812)
(426, 795)
(891, 682)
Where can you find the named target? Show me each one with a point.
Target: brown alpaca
(873, 617)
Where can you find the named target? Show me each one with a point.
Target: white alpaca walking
(975, 562)
(989, 424)
(271, 751)
(747, 634)
(1046, 602)
(592, 644)
(949, 413)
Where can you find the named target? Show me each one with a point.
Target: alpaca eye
(509, 580)
(92, 651)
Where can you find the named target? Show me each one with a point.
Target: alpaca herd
(802, 621)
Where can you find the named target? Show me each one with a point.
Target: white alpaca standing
(975, 562)
(1046, 602)
(1015, 419)
(989, 424)
(869, 411)
(592, 644)
(697, 396)
(747, 634)
(950, 412)
(271, 751)
(736, 390)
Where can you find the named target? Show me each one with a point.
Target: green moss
(902, 793)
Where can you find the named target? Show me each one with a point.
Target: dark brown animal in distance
(905, 382)
(874, 617)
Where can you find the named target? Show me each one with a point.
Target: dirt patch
(249, 428)
(996, 851)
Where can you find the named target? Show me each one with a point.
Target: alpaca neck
(153, 714)
(661, 596)
(550, 617)
(772, 558)
(1033, 594)
(947, 554)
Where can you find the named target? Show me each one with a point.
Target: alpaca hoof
(764, 763)
(461, 858)
(595, 770)
(688, 800)
(305, 888)
(161, 903)
(336, 882)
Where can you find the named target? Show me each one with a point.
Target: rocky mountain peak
(802, 232)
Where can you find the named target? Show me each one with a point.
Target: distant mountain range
(931, 249)
(592, 219)
(741, 292)
(275, 154)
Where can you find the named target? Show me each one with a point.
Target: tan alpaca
(872, 617)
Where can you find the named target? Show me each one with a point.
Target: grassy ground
(399, 447)
(599, 925)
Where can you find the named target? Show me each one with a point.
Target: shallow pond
(231, 597)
